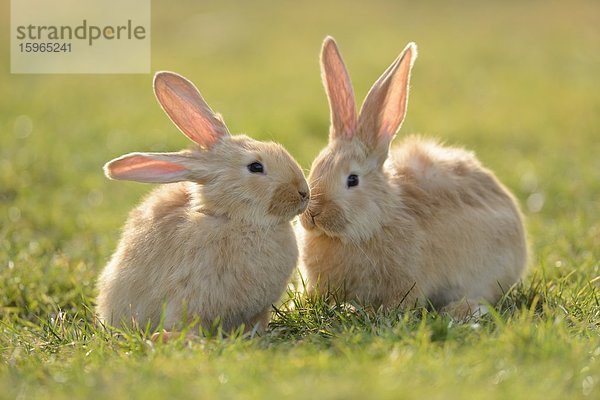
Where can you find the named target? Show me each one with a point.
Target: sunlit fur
(430, 225)
(218, 245)
(213, 251)
(427, 224)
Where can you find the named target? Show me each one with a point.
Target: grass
(516, 82)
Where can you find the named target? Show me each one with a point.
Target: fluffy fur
(216, 243)
(427, 224)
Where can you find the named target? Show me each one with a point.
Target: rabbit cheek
(286, 202)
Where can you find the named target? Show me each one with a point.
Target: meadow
(516, 82)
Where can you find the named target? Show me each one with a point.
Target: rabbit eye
(256, 168)
(352, 180)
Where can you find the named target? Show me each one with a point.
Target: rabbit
(420, 225)
(215, 244)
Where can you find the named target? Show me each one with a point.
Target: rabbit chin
(291, 211)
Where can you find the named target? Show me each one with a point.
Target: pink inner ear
(384, 107)
(183, 104)
(339, 91)
(140, 168)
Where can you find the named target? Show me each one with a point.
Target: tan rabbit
(422, 224)
(218, 245)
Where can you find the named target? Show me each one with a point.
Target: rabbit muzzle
(289, 200)
(328, 218)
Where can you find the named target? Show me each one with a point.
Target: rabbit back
(474, 242)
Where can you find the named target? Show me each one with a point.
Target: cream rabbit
(421, 224)
(218, 245)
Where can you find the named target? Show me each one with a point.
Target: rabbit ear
(154, 168)
(339, 91)
(384, 108)
(187, 109)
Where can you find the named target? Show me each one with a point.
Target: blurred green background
(518, 82)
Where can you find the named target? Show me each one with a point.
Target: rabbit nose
(303, 195)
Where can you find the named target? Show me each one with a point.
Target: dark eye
(352, 180)
(256, 168)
